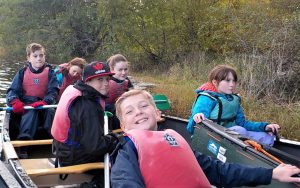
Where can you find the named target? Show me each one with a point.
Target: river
(7, 72)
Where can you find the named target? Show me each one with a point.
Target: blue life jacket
(225, 111)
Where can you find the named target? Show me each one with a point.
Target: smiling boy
(151, 158)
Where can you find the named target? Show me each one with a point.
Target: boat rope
(259, 148)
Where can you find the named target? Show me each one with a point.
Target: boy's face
(121, 70)
(37, 59)
(138, 113)
(100, 83)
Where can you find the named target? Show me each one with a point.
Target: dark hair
(80, 62)
(113, 60)
(221, 72)
(31, 48)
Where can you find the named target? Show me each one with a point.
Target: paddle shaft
(106, 156)
(157, 101)
(29, 107)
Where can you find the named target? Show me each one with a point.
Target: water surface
(7, 72)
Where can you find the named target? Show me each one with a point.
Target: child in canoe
(118, 84)
(149, 158)
(34, 85)
(69, 73)
(78, 125)
(218, 102)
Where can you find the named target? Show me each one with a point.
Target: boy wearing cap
(78, 124)
(151, 158)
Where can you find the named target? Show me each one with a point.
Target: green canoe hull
(212, 140)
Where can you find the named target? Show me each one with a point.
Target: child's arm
(125, 171)
(232, 175)
(15, 90)
(52, 90)
(249, 125)
(203, 105)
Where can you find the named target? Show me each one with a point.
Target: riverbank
(181, 94)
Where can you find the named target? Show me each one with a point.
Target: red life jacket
(166, 160)
(35, 85)
(67, 80)
(116, 90)
(61, 121)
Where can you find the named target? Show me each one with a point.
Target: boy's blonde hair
(31, 48)
(221, 72)
(130, 93)
(113, 60)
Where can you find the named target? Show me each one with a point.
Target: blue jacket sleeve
(15, 90)
(125, 171)
(52, 91)
(232, 175)
(204, 105)
(249, 125)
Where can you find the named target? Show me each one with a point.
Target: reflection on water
(7, 72)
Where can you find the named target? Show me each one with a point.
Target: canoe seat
(43, 166)
(20, 143)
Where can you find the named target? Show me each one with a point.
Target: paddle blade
(162, 102)
(108, 114)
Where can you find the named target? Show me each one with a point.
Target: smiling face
(137, 112)
(226, 86)
(100, 83)
(75, 71)
(37, 59)
(121, 70)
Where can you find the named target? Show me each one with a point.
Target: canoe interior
(39, 157)
(289, 153)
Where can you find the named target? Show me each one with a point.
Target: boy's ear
(122, 126)
(158, 114)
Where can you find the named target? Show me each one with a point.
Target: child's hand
(199, 117)
(18, 106)
(272, 127)
(37, 104)
(284, 172)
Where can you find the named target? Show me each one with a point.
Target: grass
(180, 90)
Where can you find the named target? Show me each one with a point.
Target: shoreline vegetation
(179, 82)
(174, 44)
